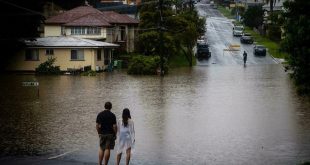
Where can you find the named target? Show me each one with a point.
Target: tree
(296, 42)
(253, 16)
(193, 27)
(181, 30)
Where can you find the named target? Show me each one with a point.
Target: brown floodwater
(203, 115)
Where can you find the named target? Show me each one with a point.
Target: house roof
(89, 16)
(92, 19)
(65, 41)
(80, 16)
(119, 18)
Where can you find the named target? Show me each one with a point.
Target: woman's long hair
(126, 116)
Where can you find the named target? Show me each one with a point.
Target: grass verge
(273, 47)
(180, 61)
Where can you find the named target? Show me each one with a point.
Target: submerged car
(246, 39)
(259, 50)
(203, 51)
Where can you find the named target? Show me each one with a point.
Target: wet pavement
(218, 112)
(219, 36)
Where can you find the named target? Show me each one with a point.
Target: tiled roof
(66, 42)
(77, 14)
(119, 18)
(89, 16)
(89, 20)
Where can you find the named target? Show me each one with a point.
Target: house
(89, 23)
(124, 30)
(71, 53)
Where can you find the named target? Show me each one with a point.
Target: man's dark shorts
(107, 141)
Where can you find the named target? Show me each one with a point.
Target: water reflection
(204, 115)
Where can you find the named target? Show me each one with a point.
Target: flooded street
(218, 112)
(204, 115)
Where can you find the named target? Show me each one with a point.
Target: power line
(20, 7)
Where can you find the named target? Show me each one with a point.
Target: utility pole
(161, 38)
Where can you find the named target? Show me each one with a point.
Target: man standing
(245, 55)
(106, 128)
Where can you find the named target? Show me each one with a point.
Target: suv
(238, 30)
(203, 51)
(246, 38)
(259, 50)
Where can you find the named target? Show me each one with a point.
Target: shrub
(48, 67)
(274, 32)
(145, 65)
(89, 73)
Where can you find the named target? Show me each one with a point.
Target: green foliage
(181, 29)
(253, 16)
(296, 42)
(274, 32)
(179, 60)
(274, 28)
(48, 67)
(145, 65)
(89, 73)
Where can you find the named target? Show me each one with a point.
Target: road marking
(57, 156)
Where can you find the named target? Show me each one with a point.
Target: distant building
(247, 3)
(277, 5)
(128, 2)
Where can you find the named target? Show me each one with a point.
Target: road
(218, 112)
(219, 36)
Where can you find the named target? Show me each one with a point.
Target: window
(77, 54)
(85, 31)
(98, 54)
(123, 32)
(63, 31)
(106, 57)
(32, 55)
(49, 51)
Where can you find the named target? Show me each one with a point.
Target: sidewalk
(39, 161)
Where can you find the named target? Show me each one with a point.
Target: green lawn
(179, 61)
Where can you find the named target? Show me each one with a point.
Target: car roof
(260, 46)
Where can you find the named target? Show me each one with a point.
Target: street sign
(30, 83)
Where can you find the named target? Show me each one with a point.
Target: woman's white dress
(125, 136)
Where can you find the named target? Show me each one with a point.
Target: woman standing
(126, 136)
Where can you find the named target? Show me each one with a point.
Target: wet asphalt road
(219, 36)
(220, 114)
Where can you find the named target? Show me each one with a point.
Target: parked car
(203, 51)
(238, 30)
(246, 38)
(259, 50)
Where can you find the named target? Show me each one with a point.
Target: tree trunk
(271, 6)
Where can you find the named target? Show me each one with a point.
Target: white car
(238, 30)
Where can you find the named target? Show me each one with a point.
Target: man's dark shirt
(106, 119)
